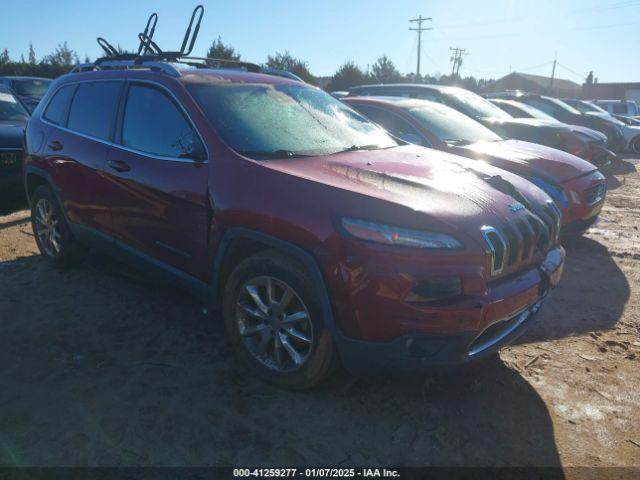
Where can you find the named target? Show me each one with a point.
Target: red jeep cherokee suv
(317, 233)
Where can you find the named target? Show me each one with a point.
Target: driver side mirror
(198, 153)
(192, 148)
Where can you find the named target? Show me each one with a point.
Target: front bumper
(600, 156)
(616, 141)
(418, 351)
(587, 196)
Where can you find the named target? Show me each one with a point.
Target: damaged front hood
(425, 180)
(524, 157)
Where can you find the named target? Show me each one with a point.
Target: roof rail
(110, 64)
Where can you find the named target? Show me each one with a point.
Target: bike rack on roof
(148, 32)
(151, 56)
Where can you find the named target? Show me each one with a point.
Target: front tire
(275, 321)
(635, 144)
(53, 236)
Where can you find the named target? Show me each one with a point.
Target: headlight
(552, 189)
(376, 232)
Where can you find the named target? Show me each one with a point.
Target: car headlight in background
(555, 191)
(388, 235)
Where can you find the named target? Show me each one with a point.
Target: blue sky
(500, 35)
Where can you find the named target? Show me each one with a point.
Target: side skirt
(145, 263)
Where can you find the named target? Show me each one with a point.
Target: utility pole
(553, 72)
(420, 29)
(456, 59)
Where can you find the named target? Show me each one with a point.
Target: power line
(420, 29)
(581, 76)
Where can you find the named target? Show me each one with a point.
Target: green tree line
(62, 59)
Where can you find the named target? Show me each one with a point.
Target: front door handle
(55, 146)
(119, 165)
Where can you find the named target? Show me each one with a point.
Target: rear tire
(275, 322)
(635, 144)
(53, 236)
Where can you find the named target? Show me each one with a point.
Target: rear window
(93, 108)
(57, 109)
(35, 87)
(620, 108)
(10, 108)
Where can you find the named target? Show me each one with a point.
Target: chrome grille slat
(515, 244)
(595, 193)
(497, 247)
(528, 240)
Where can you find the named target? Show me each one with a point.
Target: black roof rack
(151, 56)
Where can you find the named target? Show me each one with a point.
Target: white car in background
(630, 130)
(627, 108)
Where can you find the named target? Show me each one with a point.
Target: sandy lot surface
(102, 367)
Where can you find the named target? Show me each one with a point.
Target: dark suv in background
(29, 90)
(318, 234)
(13, 118)
(565, 113)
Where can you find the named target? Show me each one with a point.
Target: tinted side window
(425, 95)
(57, 109)
(513, 111)
(94, 107)
(546, 107)
(153, 124)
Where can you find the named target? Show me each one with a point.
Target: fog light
(435, 289)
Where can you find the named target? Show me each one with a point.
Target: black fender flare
(300, 254)
(40, 172)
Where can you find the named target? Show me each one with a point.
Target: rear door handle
(119, 165)
(55, 146)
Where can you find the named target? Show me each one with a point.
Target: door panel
(81, 119)
(159, 207)
(78, 173)
(158, 178)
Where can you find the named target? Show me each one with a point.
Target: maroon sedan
(318, 235)
(577, 187)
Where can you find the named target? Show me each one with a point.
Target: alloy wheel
(274, 323)
(48, 227)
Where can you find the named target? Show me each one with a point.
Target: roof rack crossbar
(149, 30)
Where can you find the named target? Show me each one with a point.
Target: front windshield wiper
(355, 148)
(274, 154)
(456, 142)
